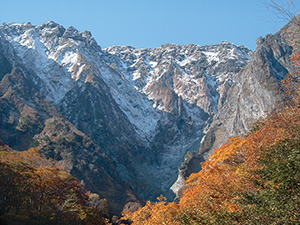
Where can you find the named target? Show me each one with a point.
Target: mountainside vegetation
(27, 120)
(253, 179)
(35, 190)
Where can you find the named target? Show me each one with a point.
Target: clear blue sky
(151, 23)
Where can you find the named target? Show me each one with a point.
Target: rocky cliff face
(144, 109)
(256, 90)
(187, 84)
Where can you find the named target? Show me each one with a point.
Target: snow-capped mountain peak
(145, 107)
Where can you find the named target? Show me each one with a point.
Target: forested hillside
(36, 190)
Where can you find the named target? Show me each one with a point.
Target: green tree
(276, 199)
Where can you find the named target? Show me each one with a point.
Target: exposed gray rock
(256, 90)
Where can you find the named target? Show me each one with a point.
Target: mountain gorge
(123, 120)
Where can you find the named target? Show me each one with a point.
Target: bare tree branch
(285, 10)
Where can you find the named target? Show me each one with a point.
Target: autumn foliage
(35, 191)
(249, 180)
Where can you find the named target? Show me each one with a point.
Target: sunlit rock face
(256, 90)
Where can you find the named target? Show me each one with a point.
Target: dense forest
(36, 190)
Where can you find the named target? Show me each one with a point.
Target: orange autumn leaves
(213, 189)
(225, 176)
(35, 191)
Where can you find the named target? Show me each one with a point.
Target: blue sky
(151, 23)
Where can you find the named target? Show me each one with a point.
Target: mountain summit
(125, 117)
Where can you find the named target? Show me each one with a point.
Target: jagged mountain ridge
(154, 120)
(180, 66)
(146, 108)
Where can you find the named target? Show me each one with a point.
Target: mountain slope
(146, 108)
(28, 119)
